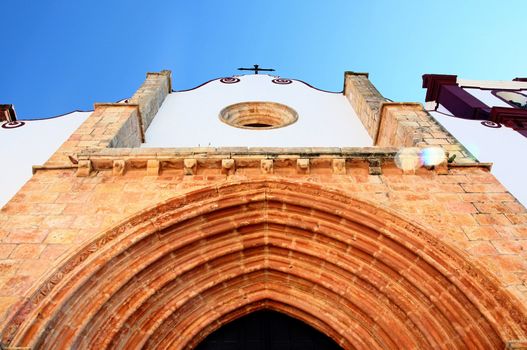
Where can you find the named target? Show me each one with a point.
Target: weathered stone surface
(228, 166)
(110, 125)
(517, 345)
(266, 165)
(84, 168)
(338, 166)
(303, 165)
(152, 167)
(374, 166)
(119, 167)
(151, 95)
(190, 166)
(365, 99)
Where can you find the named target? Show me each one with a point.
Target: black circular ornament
(491, 124)
(229, 80)
(12, 125)
(282, 81)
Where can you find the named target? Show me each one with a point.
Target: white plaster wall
(487, 97)
(502, 146)
(31, 144)
(191, 118)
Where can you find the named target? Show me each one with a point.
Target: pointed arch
(170, 275)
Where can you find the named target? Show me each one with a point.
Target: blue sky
(63, 55)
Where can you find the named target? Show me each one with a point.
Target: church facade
(164, 217)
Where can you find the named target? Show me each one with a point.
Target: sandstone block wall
(57, 212)
(110, 125)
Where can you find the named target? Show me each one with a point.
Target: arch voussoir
(297, 298)
(332, 283)
(254, 260)
(357, 272)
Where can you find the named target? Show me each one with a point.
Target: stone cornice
(351, 152)
(228, 159)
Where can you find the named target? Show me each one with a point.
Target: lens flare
(408, 159)
(431, 156)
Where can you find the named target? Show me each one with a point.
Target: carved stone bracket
(303, 165)
(190, 166)
(152, 167)
(119, 167)
(338, 166)
(228, 166)
(266, 165)
(374, 166)
(84, 168)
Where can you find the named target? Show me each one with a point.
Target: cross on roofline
(257, 68)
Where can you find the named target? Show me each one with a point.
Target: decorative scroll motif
(229, 80)
(13, 124)
(282, 81)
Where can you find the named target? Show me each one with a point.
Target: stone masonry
(160, 247)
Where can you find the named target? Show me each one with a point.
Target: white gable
(191, 118)
(503, 147)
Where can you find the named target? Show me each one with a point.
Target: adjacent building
(489, 118)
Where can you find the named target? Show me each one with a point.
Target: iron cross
(257, 68)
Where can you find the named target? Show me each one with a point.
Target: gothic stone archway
(172, 274)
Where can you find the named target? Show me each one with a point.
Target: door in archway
(266, 330)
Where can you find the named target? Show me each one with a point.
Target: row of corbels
(228, 166)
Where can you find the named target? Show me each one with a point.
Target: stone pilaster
(110, 125)
(399, 124)
(151, 95)
(365, 100)
(116, 125)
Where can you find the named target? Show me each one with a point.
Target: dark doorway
(266, 330)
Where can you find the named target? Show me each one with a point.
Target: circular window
(258, 115)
